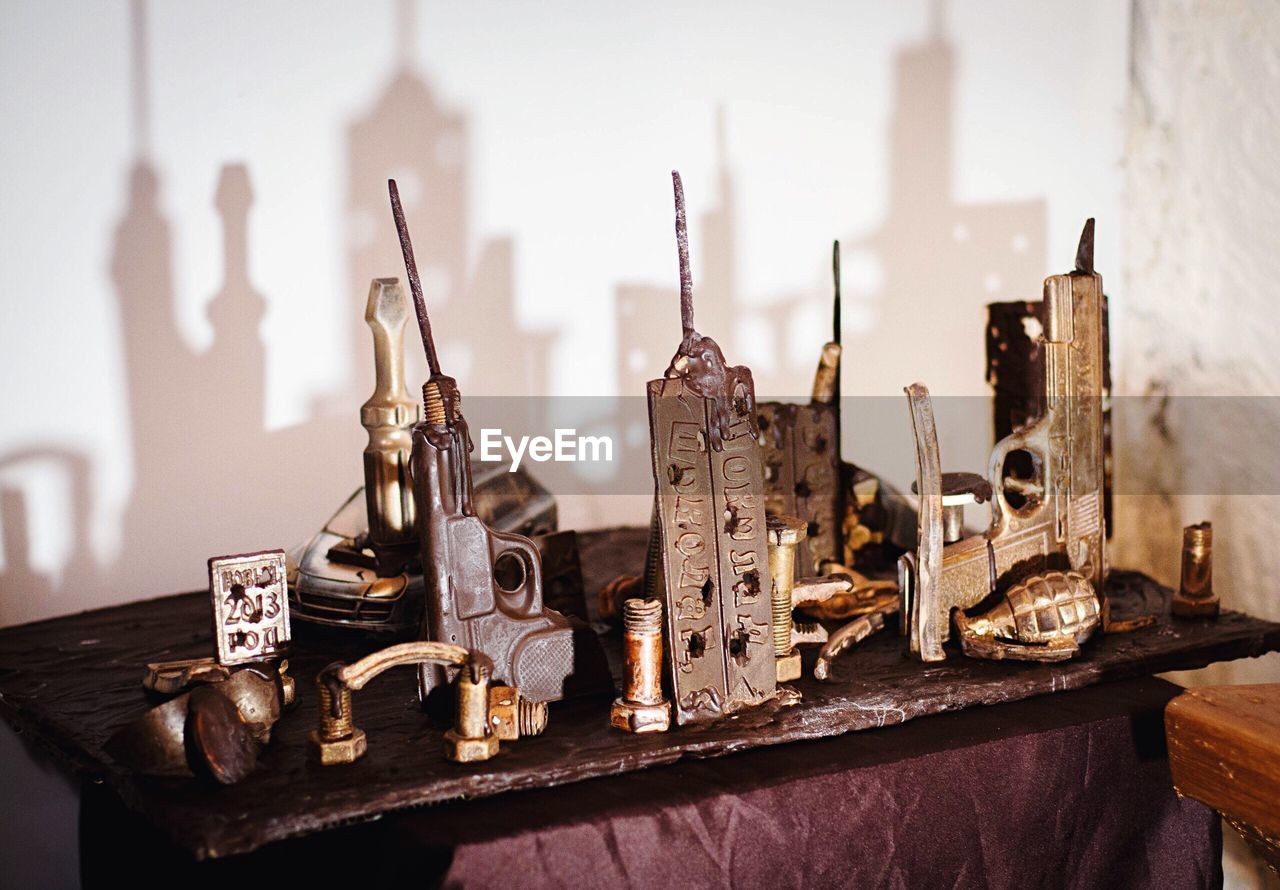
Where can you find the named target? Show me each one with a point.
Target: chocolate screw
(785, 534)
(642, 707)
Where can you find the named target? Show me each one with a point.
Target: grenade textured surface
(1053, 606)
(1042, 618)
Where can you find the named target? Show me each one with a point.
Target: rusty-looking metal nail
(642, 707)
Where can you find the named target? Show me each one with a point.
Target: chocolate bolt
(642, 707)
(512, 716)
(471, 738)
(785, 534)
(1195, 597)
(338, 740)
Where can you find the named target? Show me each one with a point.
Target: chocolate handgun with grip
(1052, 520)
(483, 587)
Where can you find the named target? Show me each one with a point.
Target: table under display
(1072, 782)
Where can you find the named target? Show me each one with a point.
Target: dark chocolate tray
(68, 683)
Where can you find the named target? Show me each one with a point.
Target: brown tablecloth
(1069, 790)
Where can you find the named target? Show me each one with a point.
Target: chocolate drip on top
(699, 362)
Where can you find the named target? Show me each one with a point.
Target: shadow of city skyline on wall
(209, 477)
(941, 261)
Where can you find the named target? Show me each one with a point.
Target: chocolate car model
(332, 579)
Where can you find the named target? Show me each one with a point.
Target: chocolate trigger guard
(1030, 439)
(522, 601)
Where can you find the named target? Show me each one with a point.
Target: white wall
(537, 138)
(1202, 345)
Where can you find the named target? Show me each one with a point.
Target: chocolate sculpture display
(1030, 585)
(1056, 522)
(709, 507)
(483, 587)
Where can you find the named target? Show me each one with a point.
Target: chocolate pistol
(1052, 520)
(483, 587)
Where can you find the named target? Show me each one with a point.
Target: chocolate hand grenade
(1042, 618)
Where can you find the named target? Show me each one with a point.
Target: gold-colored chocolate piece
(710, 523)
(194, 733)
(173, 677)
(801, 454)
(388, 416)
(480, 716)
(785, 534)
(1042, 618)
(513, 716)
(1195, 597)
(1053, 520)
(472, 738)
(848, 636)
(853, 594)
(483, 587)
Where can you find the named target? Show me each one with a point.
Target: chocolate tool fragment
(388, 417)
(711, 551)
(848, 636)
(483, 587)
(786, 533)
(217, 737)
(173, 677)
(478, 725)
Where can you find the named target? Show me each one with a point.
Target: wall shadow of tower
(30, 590)
(942, 260)
(209, 477)
(410, 135)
